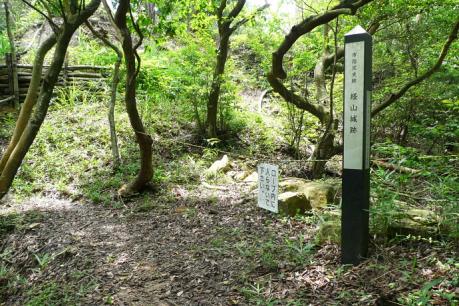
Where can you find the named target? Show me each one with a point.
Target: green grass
(71, 155)
(14, 221)
(61, 293)
(435, 188)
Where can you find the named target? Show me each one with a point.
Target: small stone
(34, 225)
(252, 178)
(240, 176)
(232, 174)
(221, 165)
(335, 165)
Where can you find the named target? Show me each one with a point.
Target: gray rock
(292, 183)
(414, 222)
(221, 165)
(319, 193)
(292, 203)
(252, 178)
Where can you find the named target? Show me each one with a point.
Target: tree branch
(245, 20)
(104, 39)
(237, 9)
(61, 6)
(87, 11)
(306, 26)
(315, 109)
(332, 83)
(327, 61)
(108, 10)
(395, 96)
(137, 30)
(54, 26)
(277, 72)
(137, 45)
(220, 9)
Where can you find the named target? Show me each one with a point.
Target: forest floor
(205, 247)
(66, 239)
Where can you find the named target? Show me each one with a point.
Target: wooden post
(356, 157)
(9, 69)
(14, 64)
(13, 58)
(66, 69)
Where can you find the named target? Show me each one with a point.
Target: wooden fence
(11, 73)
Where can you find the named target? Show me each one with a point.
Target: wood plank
(7, 100)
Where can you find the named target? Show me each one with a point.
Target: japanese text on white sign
(354, 96)
(268, 186)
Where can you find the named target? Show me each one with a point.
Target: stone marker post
(356, 157)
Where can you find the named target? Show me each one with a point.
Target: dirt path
(201, 247)
(125, 257)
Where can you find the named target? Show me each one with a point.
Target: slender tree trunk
(34, 124)
(319, 70)
(226, 27)
(31, 98)
(111, 112)
(151, 11)
(143, 139)
(114, 87)
(214, 95)
(325, 149)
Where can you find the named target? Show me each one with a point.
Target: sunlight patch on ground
(36, 203)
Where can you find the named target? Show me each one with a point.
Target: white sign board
(354, 133)
(268, 187)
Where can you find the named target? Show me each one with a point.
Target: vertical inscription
(354, 96)
(268, 186)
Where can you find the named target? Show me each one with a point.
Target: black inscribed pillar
(356, 156)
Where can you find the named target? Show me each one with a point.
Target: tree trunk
(31, 98)
(34, 124)
(324, 150)
(46, 91)
(225, 29)
(151, 11)
(114, 87)
(143, 139)
(111, 112)
(319, 70)
(214, 95)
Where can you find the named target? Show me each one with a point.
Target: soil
(199, 247)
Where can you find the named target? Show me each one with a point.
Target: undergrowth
(71, 155)
(434, 187)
